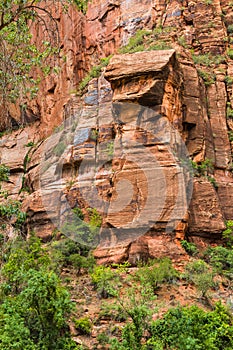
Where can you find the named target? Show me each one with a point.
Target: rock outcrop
(123, 148)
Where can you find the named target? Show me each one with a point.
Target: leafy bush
(84, 233)
(94, 73)
(160, 45)
(80, 262)
(203, 168)
(158, 274)
(230, 135)
(186, 328)
(228, 80)
(103, 339)
(221, 259)
(135, 42)
(112, 312)
(95, 220)
(67, 252)
(83, 325)
(105, 281)
(230, 53)
(229, 112)
(182, 41)
(34, 306)
(199, 273)
(20, 256)
(82, 5)
(208, 59)
(10, 211)
(190, 248)
(209, 78)
(230, 28)
(212, 180)
(4, 173)
(138, 306)
(228, 233)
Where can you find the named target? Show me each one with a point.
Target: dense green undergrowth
(36, 308)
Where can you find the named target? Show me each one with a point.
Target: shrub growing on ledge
(209, 78)
(4, 173)
(135, 42)
(94, 73)
(190, 248)
(82, 5)
(228, 233)
(203, 168)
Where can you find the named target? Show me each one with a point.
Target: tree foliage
(25, 57)
(34, 306)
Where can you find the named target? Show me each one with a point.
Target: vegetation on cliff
(24, 57)
(36, 308)
(55, 297)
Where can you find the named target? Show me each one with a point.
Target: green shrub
(209, 78)
(80, 262)
(4, 172)
(135, 42)
(112, 312)
(228, 233)
(212, 180)
(181, 41)
(34, 307)
(82, 5)
(203, 168)
(21, 256)
(228, 80)
(155, 276)
(229, 112)
(83, 325)
(221, 259)
(84, 233)
(103, 339)
(94, 73)
(10, 211)
(185, 328)
(230, 28)
(190, 248)
(95, 220)
(195, 267)
(199, 273)
(230, 53)
(30, 144)
(208, 59)
(68, 253)
(160, 45)
(110, 148)
(230, 135)
(105, 281)
(139, 306)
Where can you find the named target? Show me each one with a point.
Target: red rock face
(165, 83)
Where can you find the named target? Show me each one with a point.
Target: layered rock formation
(142, 103)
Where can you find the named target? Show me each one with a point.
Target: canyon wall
(182, 92)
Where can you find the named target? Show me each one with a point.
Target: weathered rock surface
(140, 77)
(206, 216)
(93, 154)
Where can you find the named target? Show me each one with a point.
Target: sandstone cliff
(183, 91)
